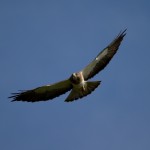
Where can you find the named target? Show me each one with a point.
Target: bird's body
(78, 82)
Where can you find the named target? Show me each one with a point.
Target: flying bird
(78, 82)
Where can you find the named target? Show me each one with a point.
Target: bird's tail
(81, 91)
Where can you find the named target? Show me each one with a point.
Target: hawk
(78, 82)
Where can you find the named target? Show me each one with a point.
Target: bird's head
(76, 78)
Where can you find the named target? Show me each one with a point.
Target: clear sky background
(43, 42)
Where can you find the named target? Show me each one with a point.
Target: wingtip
(122, 33)
(125, 30)
(14, 96)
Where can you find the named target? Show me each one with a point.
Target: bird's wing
(43, 93)
(103, 58)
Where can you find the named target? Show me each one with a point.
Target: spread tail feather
(81, 91)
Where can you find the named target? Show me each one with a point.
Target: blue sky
(43, 42)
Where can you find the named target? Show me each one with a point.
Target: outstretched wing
(43, 93)
(103, 58)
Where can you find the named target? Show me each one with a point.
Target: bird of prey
(78, 82)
